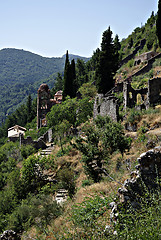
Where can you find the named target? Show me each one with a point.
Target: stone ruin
(144, 178)
(149, 96)
(144, 57)
(44, 103)
(106, 105)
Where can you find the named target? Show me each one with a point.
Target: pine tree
(108, 63)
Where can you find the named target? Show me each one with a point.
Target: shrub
(134, 116)
(66, 180)
(27, 150)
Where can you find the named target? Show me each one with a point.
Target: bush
(27, 150)
(85, 217)
(66, 180)
(134, 116)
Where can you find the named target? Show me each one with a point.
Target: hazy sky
(50, 27)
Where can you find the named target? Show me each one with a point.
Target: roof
(60, 92)
(17, 126)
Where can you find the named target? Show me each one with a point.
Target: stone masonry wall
(144, 178)
(106, 106)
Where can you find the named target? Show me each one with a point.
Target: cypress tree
(69, 88)
(73, 79)
(66, 86)
(158, 23)
(108, 63)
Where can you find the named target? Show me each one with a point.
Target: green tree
(58, 84)
(73, 110)
(117, 43)
(29, 108)
(108, 63)
(103, 137)
(60, 131)
(81, 73)
(158, 23)
(69, 78)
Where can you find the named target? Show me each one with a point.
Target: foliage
(87, 90)
(101, 139)
(158, 23)
(134, 116)
(146, 31)
(27, 150)
(32, 177)
(21, 73)
(86, 213)
(69, 77)
(108, 63)
(60, 131)
(73, 110)
(38, 210)
(85, 217)
(143, 223)
(66, 181)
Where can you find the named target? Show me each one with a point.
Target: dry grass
(104, 188)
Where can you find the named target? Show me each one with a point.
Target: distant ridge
(21, 73)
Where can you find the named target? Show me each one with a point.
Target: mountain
(21, 73)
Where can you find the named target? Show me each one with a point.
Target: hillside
(96, 178)
(21, 73)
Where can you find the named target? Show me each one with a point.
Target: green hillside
(21, 73)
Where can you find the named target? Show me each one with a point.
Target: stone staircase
(61, 196)
(46, 152)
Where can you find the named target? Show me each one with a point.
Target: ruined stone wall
(130, 95)
(154, 91)
(143, 179)
(148, 66)
(106, 106)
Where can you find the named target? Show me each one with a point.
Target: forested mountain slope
(21, 73)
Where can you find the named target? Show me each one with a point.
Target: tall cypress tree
(73, 79)
(108, 63)
(158, 23)
(66, 86)
(69, 78)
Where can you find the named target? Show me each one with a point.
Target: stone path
(62, 194)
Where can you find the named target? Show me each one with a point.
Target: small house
(15, 131)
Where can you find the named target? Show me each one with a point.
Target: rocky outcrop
(144, 179)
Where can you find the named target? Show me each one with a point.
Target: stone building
(106, 105)
(15, 131)
(44, 103)
(149, 96)
(144, 57)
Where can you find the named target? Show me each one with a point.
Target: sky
(51, 27)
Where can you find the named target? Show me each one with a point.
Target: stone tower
(43, 105)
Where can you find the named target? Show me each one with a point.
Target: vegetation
(21, 73)
(107, 64)
(90, 159)
(158, 23)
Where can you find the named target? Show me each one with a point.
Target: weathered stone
(142, 180)
(106, 106)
